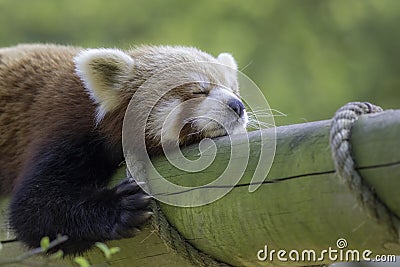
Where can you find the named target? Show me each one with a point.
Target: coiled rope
(340, 135)
(177, 242)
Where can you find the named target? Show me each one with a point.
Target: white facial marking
(201, 79)
(166, 123)
(222, 94)
(214, 109)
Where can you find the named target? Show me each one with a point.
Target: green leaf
(114, 250)
(82, 262)
(45, 243)
(58, 255)
(104, 248)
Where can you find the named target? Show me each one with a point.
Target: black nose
(237, 106)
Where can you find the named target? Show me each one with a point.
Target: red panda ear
(103, 71)
(228, 60)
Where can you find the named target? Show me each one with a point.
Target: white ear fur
(102, 72)
(228, 60)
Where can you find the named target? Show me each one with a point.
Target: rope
(177, 242)
(340, 135)
(174, 240)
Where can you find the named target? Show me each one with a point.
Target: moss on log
(301, 205)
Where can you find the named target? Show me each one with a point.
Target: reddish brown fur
(40, 96)
(60, 141)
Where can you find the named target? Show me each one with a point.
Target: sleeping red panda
(61, 116)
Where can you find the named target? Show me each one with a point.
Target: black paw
(134, 209)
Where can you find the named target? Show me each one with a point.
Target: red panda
(61, 115)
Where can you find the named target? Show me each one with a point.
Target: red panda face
(195, 111)
(183, 94)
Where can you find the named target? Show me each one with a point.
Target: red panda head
(195, 95)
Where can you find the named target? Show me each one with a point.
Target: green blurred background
(309, 57)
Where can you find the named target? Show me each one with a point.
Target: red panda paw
(134, 209)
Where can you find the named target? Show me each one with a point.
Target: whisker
(274, 113)
(267, 115)
(201, 130)
(253, 123)
(267, 111)
(242, 69)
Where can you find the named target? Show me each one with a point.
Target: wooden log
(302, 204)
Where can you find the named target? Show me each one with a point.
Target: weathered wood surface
(301, 205)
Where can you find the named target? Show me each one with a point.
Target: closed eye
(200, 93)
